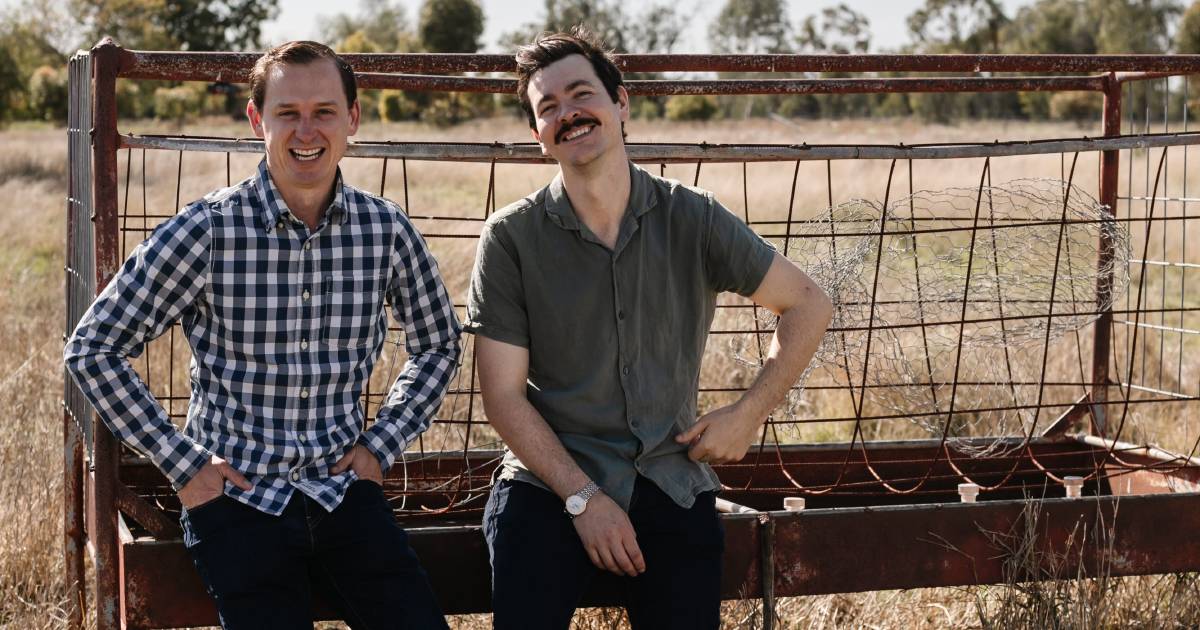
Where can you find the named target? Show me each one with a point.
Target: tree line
(36, 37)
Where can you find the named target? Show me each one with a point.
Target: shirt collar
(641, 198)
(274, 207)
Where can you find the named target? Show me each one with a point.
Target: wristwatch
(577, 503)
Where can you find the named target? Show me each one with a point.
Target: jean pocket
(201, 521)
(353, 309)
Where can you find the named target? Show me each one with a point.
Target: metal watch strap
(588, 491)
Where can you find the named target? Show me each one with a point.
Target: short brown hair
(298, 53)
(550, 47)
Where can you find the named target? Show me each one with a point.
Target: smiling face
(304, 122)
(577, 122)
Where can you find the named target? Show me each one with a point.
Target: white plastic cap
(793, 504)
(967, 492)
(1074, 486)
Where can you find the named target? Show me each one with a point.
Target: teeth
(305, 155)
(576, 133)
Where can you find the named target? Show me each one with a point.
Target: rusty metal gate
(1000, 341)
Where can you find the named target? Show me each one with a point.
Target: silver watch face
(575, 505)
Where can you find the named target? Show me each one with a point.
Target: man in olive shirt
(591, 302)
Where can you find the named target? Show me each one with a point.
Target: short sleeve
(496, 299)
(736, 259)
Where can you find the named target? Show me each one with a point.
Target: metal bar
(766, 550)
(233, 67)
(906, 85)
(73, 534)
(1102, 330)
(676, 153)
(943, 544)
(1129, 77)
(106, 61)
(1146, 450)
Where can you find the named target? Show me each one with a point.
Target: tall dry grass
(32, 182)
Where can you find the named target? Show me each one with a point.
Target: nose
(568, 114)
(306, 130)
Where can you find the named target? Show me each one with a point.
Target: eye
(289, 114)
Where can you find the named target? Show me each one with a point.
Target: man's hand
(362, 461)
(721, 436)
(209, 483)
(608, 537)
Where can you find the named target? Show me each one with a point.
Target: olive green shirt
(615, 337)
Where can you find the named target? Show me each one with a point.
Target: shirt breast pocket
(353, 309)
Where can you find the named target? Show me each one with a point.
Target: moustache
(578, 122)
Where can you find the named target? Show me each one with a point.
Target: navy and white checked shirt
(285, 325)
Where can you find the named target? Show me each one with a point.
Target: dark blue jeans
(540, 569)
(262, 569)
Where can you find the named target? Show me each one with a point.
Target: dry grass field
(33, 187)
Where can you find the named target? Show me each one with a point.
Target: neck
(308, 206)
(599, 191)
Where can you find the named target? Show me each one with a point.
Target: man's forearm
(531, 439)
(797, 336)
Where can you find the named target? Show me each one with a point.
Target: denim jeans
(540, 569)
(262, 570)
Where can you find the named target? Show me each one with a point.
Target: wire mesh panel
(81, 261)
(963, 317)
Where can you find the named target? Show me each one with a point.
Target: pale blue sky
(300, 18)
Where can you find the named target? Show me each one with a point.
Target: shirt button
(279, 225)
(308, 245)
(304, 393)
(306, 294)
(295, 475)
(303, 438)
(620, 314)
(625, 370)
(304, 344)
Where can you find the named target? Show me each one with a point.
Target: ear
(255, 118)
(538, 139)
(355, 113)
(623, 103)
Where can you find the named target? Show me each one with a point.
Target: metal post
(106, 61)
(1102, 339)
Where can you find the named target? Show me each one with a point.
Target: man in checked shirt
(280, 284)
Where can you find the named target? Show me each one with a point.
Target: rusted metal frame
(1152, 452)
(947, 544)
(675, 87)
(1131, 77)
(1175, 398)
(766, 554)
(1109, 191)
(689, 153)
(107, 61)
(233, 67)
(73, 517)
(148, 516)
